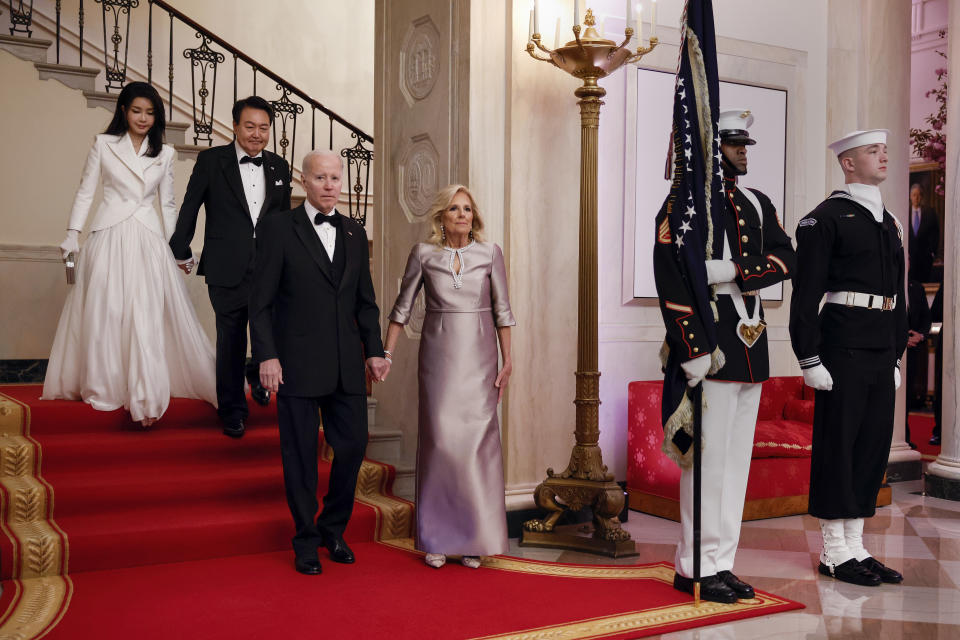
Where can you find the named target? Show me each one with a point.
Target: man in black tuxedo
(924, 237)
(238, 184)
(313, 320)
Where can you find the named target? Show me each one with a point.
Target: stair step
(32, 49)
(177, 132)
(384, 445)
(405, 482)
(82, 78)
(102, 99)
(189, 151)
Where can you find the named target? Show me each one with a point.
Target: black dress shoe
(259, 394)
(234, 428)
(308, 566)
(339, 551)
(853, 572)
(741, 588)
(886, 574)
(712, 588)
(935, 440)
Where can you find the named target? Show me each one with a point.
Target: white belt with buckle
(864, 300)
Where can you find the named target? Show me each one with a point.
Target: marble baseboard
(904, 470)
(940, 487)
(22, 371)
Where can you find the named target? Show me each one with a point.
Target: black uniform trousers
(852, 429)
(345, 430)
(230, 307)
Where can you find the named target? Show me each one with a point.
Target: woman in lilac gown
(460, 496)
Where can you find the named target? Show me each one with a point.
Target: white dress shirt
(254, 187)
(326, 232)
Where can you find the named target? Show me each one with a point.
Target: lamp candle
(557, 37)
(629, 13)
(530, 32)
(536, 16)
(653, 19)
(576, 12)
(639, 25)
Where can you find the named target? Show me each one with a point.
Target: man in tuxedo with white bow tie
(313, 321)
(238, 184)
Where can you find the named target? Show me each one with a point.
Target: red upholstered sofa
(779, 479)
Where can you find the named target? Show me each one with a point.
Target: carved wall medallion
(419, 60)
(417, 178)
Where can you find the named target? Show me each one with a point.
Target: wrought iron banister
(261, 69)
(204, 61)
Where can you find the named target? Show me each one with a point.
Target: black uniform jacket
(228, 237)
(841, 247)
(320, 327)
(763, 255)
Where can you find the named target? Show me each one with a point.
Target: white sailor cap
(858, 139)
(734, 124)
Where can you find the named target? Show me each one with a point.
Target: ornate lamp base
(557, 494)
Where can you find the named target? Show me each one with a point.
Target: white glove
(696, 370)
(896, 379)
(70, 244)
(720, 271)
(818, 377)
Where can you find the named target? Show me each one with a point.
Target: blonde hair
(440, 204)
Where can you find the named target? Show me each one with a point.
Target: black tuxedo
(923, 244)
(228, 255)
(319, 317)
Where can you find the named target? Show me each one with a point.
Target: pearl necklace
(457, 277)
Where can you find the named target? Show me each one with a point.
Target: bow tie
(333, 219)
(257, 161)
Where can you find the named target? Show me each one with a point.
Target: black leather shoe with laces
(712, 588)
(886, 574)
(741, 588)
(853, 572)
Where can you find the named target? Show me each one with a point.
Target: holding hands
(187, 265)
(378, 368)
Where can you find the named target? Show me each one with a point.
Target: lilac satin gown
(460, 496)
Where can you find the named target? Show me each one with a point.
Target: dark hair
(118, 126)
(254, 102)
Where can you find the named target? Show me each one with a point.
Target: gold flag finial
(590, 20)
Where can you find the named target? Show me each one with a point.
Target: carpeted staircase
(85, 490)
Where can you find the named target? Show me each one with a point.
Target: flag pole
(697, 399)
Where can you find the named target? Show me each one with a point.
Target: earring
(443, 234)
(471, 235)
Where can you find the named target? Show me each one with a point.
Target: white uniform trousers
(729, 419)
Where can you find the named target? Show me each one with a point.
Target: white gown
(128, 335)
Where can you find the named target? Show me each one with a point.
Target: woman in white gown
(128, 335)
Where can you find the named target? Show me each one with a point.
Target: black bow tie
(257, 161)
(333, 219)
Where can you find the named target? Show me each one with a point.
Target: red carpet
(921, 428)
(181, 532)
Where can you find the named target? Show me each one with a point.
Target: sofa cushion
(782, 439)
(776, 391)
(799, 409)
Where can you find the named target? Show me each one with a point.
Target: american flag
(693, 209)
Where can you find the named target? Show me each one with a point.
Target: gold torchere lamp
(585, 481)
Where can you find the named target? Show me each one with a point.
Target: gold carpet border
(607, 626)
(40, 548)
